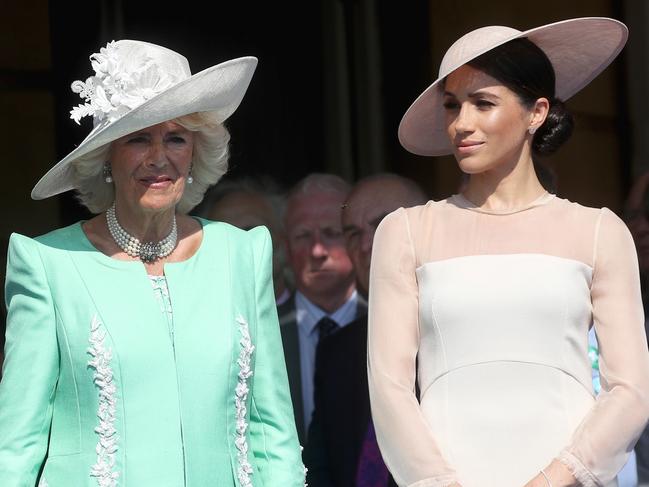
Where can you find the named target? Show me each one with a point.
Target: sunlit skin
(149, 169)
(488, 127)
(246, 210)
(316, 249)
(363, 212)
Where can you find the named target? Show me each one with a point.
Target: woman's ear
(539, 113)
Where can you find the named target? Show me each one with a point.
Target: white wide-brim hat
(137, 85)
(579, 49)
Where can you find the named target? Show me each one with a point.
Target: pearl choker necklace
(147, 252)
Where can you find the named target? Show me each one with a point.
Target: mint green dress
(114, 378)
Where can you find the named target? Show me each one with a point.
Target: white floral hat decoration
(137, 85)
(579, 49)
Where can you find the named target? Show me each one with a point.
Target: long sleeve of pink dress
(490, 313)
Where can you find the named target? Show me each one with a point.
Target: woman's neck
(500, 190)
(146, 226)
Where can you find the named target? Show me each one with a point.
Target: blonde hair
(209, 164)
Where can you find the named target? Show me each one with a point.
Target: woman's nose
(157, 155)
(464, 120)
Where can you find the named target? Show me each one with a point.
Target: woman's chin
(476, 165)
(471, 166)
(157, 203)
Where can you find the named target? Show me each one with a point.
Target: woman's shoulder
(217, 231)
(215, 227)
(582, 210)
(592, 215)
(416, 215)
(600, 226)
(25, 252)
(64, 238)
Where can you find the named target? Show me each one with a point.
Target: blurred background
(334, 79)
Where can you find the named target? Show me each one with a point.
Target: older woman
(142, 345)
(489, 294)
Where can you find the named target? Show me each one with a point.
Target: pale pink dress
(493, 309)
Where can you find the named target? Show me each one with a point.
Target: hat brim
(218, 89)
(579, 50)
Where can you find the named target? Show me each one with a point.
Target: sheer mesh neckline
(460, 201)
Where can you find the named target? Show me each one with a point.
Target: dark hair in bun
(556, 129)
(524, 68)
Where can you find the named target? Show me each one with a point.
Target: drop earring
(107, 173)
(532, 130)
(190, 178)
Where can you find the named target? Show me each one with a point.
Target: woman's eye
(451, 105)
(484, 104)
(137, 139)
(177, 139)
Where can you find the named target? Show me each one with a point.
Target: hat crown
(471, 45)
(127, 73)
(133, 54)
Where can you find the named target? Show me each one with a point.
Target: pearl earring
(108, 174)
(190, 178)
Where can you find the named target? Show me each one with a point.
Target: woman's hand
(558, 475)
(538, 481)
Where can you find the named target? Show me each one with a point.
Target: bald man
(341, 449)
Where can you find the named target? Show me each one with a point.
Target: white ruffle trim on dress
(103, 469)
(304, 469)
(244, 471)
(581, 473)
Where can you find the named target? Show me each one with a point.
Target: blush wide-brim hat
(579, 50)
(137, 85)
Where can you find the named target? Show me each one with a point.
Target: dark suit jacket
(342, 408)
(291, 342)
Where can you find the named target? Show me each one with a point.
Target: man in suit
(325, 297)
(342, 450)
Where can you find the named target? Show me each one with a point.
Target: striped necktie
(326, 326)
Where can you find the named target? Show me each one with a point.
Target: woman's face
(150, 166)
(485, 121)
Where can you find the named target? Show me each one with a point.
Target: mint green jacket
(95, 392)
